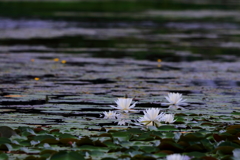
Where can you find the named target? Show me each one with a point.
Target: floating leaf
(64, 155)
(85, 141)
(217, 137)
(167, 128)
(233, 127)
(37, 130)
(142, 157)
(195, 148)
(6, 132)
(229, 144)
(209, 158)
(108, 158)
(191, 137)
(224, 150)
(50, 141)
(148, 149)
(168, 144)
(195, 154)
(68, 141)
(135, 130)
(99, 144)
(43, 137)
(47, 153)
(4, 140)
(123, 136)
(162, 153)
(34, 158)
(66, 135)
(54, 130)
(4, 156)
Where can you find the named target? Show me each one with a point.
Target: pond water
(69, 68)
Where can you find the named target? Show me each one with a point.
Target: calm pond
(62, 64)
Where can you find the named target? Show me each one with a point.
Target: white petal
(133, 105)
(113, 107)
(166, 104)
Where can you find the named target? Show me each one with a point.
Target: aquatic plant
(175, 100)
(123, 104)
(151, 117)
(168, 118)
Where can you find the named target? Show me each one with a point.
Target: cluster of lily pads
(147, 137)
(152, 117)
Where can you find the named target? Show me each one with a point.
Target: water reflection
(7, 23)
(216, 83)
(154, 35)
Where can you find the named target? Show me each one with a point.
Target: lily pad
(63, 155)
(6, 132)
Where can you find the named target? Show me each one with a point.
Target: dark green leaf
(6, 132)
(167, 128)
(43, 137)
(3, 156)
(64, 155)
(4, 140)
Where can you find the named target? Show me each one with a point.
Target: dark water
(168, 30)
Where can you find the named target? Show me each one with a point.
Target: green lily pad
(64, 155)
(167, 128)
(6, 132)
(168, 144)
(195, 154)
(85, 141)
(4, 140)
(4, 156)
(43, 137)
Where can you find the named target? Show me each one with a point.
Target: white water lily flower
(168, 118)
(110, 115)
(177, 157)
(151, 117)
(123, 104)
(175, 100)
